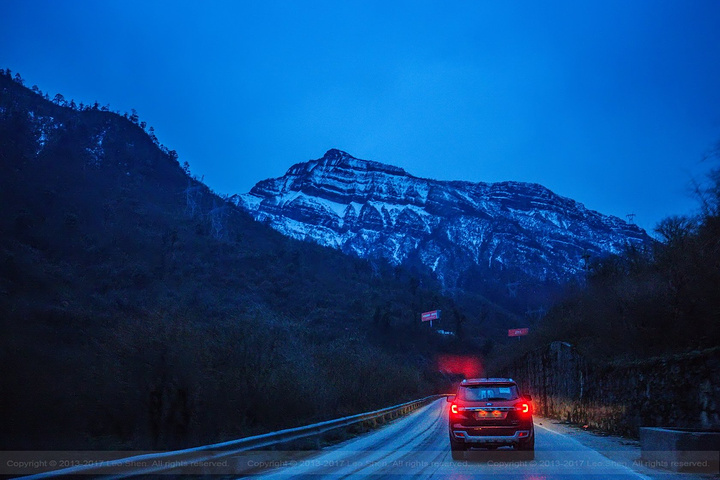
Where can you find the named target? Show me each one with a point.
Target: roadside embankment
(677, 390)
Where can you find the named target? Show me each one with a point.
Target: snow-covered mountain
(375, 210)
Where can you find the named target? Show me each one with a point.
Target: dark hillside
(140, 310)
(646, 303)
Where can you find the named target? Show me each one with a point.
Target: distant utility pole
(631, 218)
(217, 220)
(192, 196)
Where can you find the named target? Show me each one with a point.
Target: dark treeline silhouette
(140, 310)
(653, 302)
(59, 99)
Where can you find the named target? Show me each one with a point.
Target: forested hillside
(646, 302)
(140, 310)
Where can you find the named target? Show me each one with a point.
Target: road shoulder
(624, 451)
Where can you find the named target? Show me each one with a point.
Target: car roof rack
(488, 380)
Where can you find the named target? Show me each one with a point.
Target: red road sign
(518, 332)
(428, 316)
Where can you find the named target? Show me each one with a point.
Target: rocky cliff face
(375, 210)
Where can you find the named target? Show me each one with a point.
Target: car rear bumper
(463, 436)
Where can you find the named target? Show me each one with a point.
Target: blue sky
(612, 103)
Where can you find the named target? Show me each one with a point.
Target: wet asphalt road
(417, 447)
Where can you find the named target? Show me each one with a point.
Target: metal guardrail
(172, 460)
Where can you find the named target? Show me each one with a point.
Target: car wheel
(457, 450)
(527, 449)
(458, 454)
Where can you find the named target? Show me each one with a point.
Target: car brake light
(454, 409)
(522, 407)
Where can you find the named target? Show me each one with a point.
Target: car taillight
(524, 408)
(454, 409)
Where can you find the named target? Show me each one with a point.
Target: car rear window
(476, 393)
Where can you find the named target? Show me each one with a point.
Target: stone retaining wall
(678, 391)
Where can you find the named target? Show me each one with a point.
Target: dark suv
(490, 413)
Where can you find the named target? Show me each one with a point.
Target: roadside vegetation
(661, 300)
(140, 310)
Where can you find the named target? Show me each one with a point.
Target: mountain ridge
(377, 210)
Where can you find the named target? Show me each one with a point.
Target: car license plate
(490, 415)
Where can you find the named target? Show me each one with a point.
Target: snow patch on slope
(376, 210)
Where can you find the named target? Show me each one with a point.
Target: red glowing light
(454, 409)
(468, 367)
